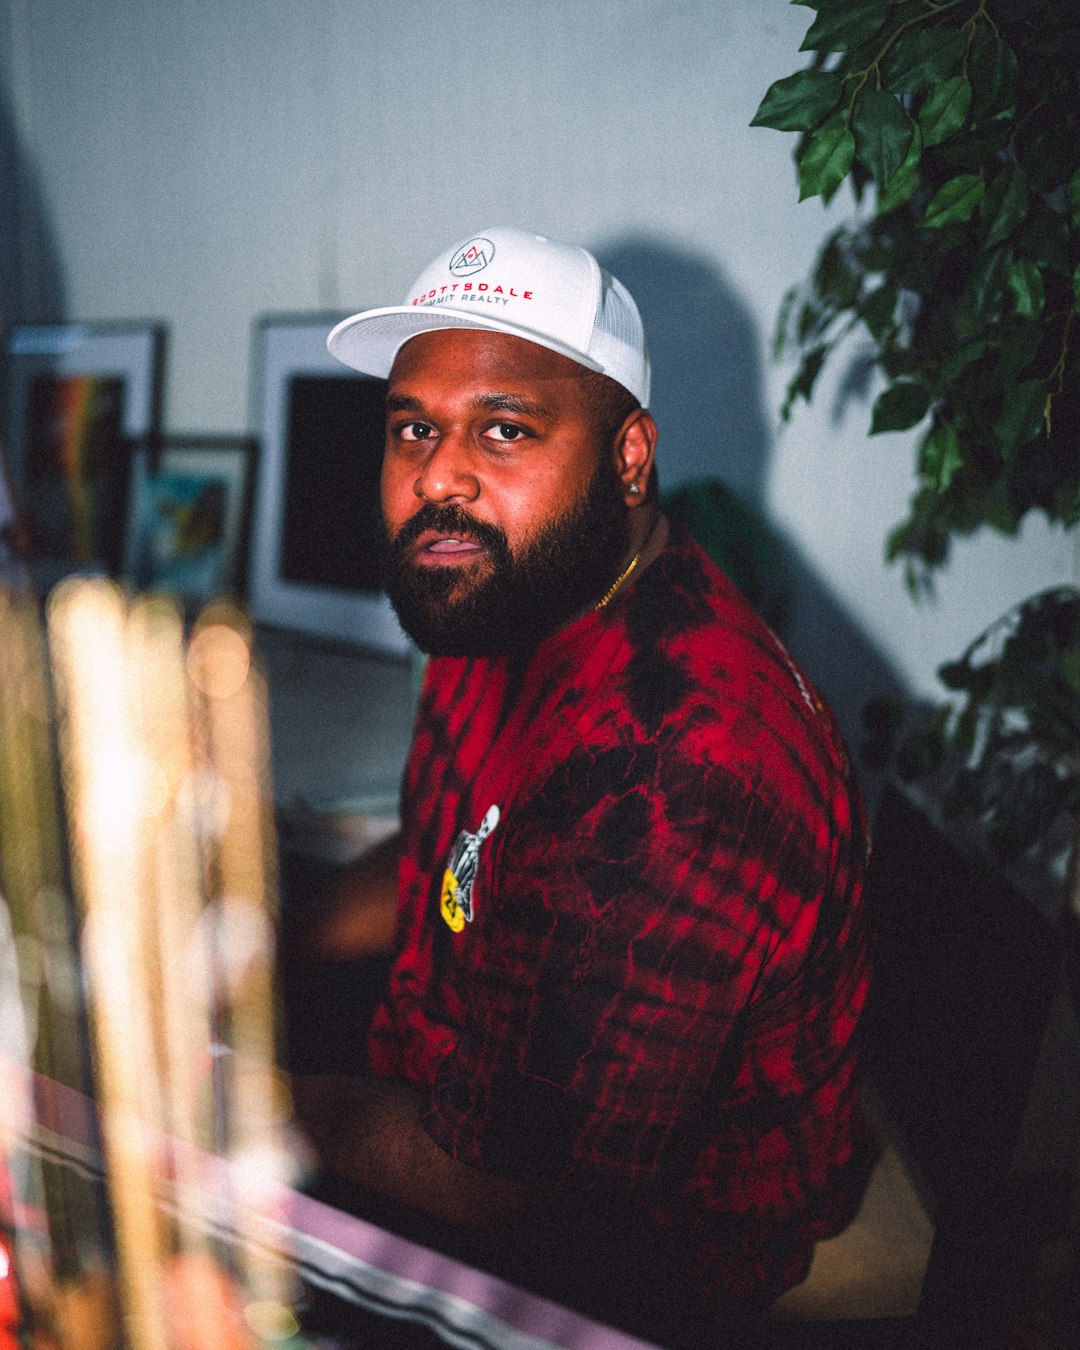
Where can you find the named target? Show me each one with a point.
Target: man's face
(503, 512)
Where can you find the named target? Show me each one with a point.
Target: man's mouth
(433, 549)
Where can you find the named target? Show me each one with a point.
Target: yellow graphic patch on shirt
(456, 900)
(448, 902)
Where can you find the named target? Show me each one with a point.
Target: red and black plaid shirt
(656, 992)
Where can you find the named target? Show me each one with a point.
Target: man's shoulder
(698, 622)
(709, 679)
(685, 595)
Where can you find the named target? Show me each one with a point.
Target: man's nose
(448, 473)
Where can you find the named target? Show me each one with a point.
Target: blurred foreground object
(163, 752)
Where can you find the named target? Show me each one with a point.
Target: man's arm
(356, 915)
(367, 1131)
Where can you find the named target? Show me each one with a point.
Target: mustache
(449, 519)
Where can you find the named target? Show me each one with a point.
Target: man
(628, 952)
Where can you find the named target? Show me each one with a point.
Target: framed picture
(82, 399)
(314, 540)
(185, 531)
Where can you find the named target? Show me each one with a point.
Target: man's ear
(633, 450)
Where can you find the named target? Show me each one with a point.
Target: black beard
(519, 600)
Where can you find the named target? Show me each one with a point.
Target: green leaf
(954, 202)
(896, 362)
(923, 57)
(1029, 802)
(802, 386)
(945, 111)
(1025, 283)
(1045, 237)
(1074, 197)
(813, 319)
(993, 71)
(877, 310)
(826, 159)
(799, 102)
(836, 277)
(1050, 156)
(961, 359)
(1005, 204)
(988, 279)
(977, 147)
(1069, 664)
(899, 407)
(1021, 417)
(783, 322)
(940, 458)
(922, 750)
(843, 24)
(955, 675)
(883, 133)
(906, 180)
(898, 541)
(1018, 344)
(998, 509)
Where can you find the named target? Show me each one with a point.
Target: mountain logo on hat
(472, 257)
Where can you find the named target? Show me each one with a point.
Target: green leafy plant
(1010, 744)
(956, 125)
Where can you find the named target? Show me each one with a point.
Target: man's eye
(414, 431)
(505, 431)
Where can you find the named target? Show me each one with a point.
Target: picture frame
(82, 400)
(186, 527)
(319, 427)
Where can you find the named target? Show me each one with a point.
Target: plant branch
(981, 13)
(1059, 368)
(936, 8)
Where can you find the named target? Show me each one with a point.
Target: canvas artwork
(77, 468)
(181, 543)
(187, 519)
(80, 406)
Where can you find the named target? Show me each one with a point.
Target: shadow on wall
(32, 288)
(708, 402)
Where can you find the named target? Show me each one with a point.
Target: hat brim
(370, 341)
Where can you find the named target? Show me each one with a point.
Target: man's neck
(647, 539)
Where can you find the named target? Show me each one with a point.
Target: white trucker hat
(517, 282)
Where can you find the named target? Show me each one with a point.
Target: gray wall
(208, 161)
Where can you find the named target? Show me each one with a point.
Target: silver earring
(634, 489)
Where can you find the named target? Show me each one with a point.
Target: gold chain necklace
(619, 580)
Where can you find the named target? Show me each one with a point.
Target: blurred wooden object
(162, 743)
(50, 1213)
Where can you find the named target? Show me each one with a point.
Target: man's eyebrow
(494, 402)
(512, 403)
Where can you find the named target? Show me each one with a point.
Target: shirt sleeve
(655, 961)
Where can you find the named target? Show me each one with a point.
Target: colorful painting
(181, 529)
(187, 518)
(77, 468)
